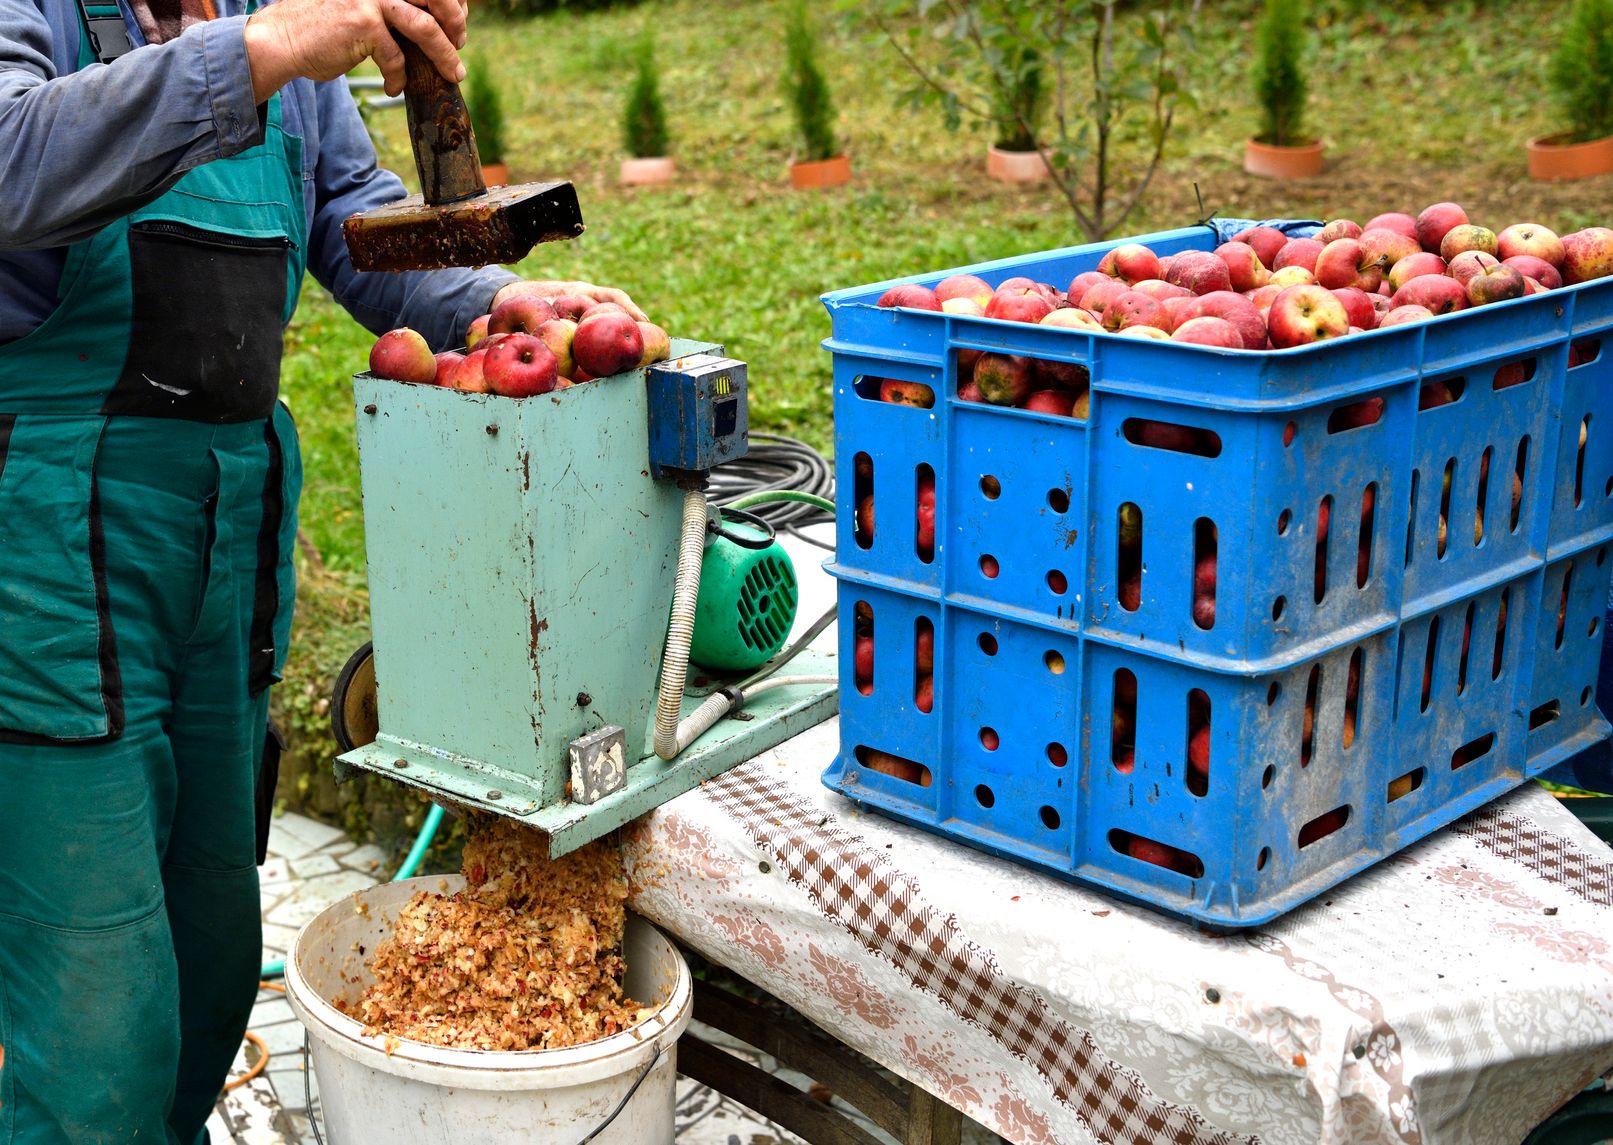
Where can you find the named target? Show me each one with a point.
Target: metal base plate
(767, 721)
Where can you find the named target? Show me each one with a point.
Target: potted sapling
(823, 164)
(1581, 77)
(1016, 156)
(644, 127)
(486, 107)
(1281, 150)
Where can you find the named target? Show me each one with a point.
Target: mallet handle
(439, 130)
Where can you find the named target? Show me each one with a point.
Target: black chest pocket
(205, 338)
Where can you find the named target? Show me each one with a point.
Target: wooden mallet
(456, 220)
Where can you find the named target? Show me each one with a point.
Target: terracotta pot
(648, 172)
(1282, 162)
(496, 174)
(1016, 166)
(1549, 159)
(821, 172)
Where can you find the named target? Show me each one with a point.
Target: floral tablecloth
(1457, 993)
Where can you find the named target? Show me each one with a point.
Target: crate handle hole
(985, 796)
(1355, 415)
(924, 509)
(1584, 697)
(1123, 721)
(1324, 825)
(863, 648)
(1447, 483)
(1053, 660)
(1562, 603)
(989, 568)
(1404, 785)
(1441, 392)
(1158, 854)
(1501, 633)
(1549, 711)
(1467, 647)
(1307, 731)
(1289, 431)
(1172, 436)
(1057, 582)
(1057, 755)
(1058, 500)
(1204, 572)
(1050, 818)
(1263, 858)
(989, 739)
(1198, 742)
(895, 766)
(1273, 692)
(1520, 468)
(1579, 463)
(1514, 374)
(1474, 749)
(1267, 776)
(900, 392)
(863, 499)
(988, 643)
(1129, 556)
(1324, 520)
(1282, 522)
(990, 487)
(1352, 697)
(1481, 496)
(1277, 607)
(1584, 352)
(1363, 543)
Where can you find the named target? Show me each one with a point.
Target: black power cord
(778, 462)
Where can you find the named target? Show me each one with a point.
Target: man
(167, 171)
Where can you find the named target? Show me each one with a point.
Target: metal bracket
(598, 764)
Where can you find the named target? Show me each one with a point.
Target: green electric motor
(747, 602)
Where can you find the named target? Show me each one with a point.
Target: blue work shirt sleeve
(439, 303)
(79, 150)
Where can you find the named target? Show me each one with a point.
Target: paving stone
(295, 836)
(301, 905)
(271, 1010)
(312, 866)
(274, 871)
(278, 938)
(284, 1039)
(369, 859)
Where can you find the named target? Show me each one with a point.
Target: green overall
(148, 488)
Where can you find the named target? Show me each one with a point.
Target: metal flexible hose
(680, 631)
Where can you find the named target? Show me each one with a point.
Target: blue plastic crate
(1324, 755)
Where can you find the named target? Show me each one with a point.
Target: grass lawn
(1417, 102)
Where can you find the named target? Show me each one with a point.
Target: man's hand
(554, 289)
(323, 39)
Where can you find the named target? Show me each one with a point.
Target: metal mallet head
(456, 220)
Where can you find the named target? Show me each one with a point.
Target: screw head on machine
(495, 796)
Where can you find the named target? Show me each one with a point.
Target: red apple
(603, 308)
(476, 331)
(1199, 271)
(403, 356)
(924, 651)
(1209, 331)
(1004, 379)
(1435, 221)
(1135, 309)
(1263, 298)
(446, 361)
(1495, 284)
(557, 334)
(970, 392)
(1466, 237)
(1470, 262)
(1290, 276)
(1536, 268)
(965, 306)
(571, 306)
(1159, 290)
(1391, 246)
(1267, 241)
(1049, 401)
(1530, 239)
(1413, 265)
(1071, 318)
(1587, 254)
(1339, 229)
(607, 344)
(1021, 285)
(1176, 309)
(862, 660)
(1244, 268)
(1017, 307)
(1097, 298)
(1298, 252)
(1131, 262)
(1392, 221)
(1440, 293)
(1304, 314)
(657, 344)
(1198, 747)
(1358, 305)
(1400, 315)
(910, 296)
(924, 536)
(520, 366)
(1532, 286)
(1083, 282)
(924, 694)
(963, 286)
(522, 314)
(467, 376)
(1242, 312)
(1146, 333)
(1344, 262)
(1051, 374)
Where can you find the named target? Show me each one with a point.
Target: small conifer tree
(1581, 71)
(807, 89)
(644, 121)
(486, 109)
(1279, 75)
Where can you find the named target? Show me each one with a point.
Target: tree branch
(918, 70)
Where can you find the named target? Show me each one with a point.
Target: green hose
(764, 496)
(422, 842)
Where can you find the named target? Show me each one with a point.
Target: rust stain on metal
(526, 470)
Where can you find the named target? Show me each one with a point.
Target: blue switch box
(698, 413)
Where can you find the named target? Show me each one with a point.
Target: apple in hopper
(520, 366)
(522, 314)
(467, 376)
(1470, 262)
(1465, 238)
(1298, 252)
(1003, 379)
(657, 343)
(1291, 276)
(910, 296)
(1134, 309)
(1531, 239)
(1304, 314)
(1159, 290)
(1345, 262)
(403, 356)
(1587, 254)
(1267, 241)
(1244, 268)
(1131, 262)
(1209, 331)
(1392, 221)
(1097, 298)
(571, 306)
(1358, 305)
(1400, 315)
(1531, 266)
(1440, 293)
(1339, 229)
(1495, 284)
(607, 343)
(446, 361)
(1412, 266)
(1242, 312)
(963, 286)
(1437, 220)
(476, 331)
(557, 334)
(1029, 306)
(1199, 271)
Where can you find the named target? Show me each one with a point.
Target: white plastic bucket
(429, 1094)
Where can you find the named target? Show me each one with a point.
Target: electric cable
(777, 463)
(257, 1066)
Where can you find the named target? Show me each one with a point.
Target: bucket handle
(626, 1097)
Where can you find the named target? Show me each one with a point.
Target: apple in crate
(1199, 271)
(1304, 314)
(1530, 239)
(1400, 315)
(1130, 262)
(1049, 401)
(1291, 276)
(402, 355)
(1028, 306)
(1358, 305)
(1266, 241)
(1414, 266)
(1096, 299)
(1440, 293)
(1004, 379)
(570, 306)
(963, 286)
(1339, 229)
(522, 314)
(1345, 262)
(1465, 238)
(1298, 252)
(1242, 312)
(1536, 268)
(1209, 331)
(1391, 246)
(902, 393)
(910, 296)
(1587, 254)
(1136, 309)
(1495, 283)
(1244, 268)
(966, 307)
(1392, 221)
(1072, 318)
(924, 528)
(863, 664)
(520, 366)
(1436, 221)
(607, 343)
